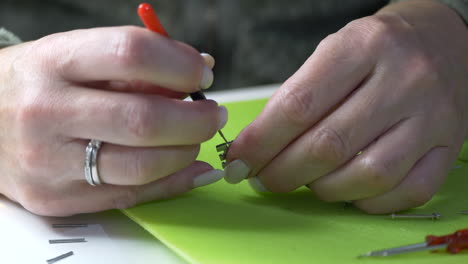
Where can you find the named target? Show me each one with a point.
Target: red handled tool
(150, 19)
(453, 243)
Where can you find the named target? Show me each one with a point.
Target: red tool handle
(438, 240)
(150, 19)
(457, 245)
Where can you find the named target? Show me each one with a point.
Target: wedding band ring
(91, 170)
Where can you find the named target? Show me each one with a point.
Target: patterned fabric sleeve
(7, 38)
(460, 6)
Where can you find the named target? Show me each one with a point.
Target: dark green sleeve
(7, 38)
(460, 6)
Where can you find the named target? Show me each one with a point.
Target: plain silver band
(91, 171)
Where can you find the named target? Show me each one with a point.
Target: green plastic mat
(225, 223)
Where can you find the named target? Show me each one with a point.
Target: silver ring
(91, 171)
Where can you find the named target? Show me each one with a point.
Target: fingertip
(178, 183)
(222, 116)
(257, 185)
(186, 70)
(209, 60)
(236, 172)
(208, 178)
(207, 78)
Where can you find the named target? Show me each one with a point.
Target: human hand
(120, 85)
(394, 86)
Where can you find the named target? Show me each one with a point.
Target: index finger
(126, 54)
(331, 74)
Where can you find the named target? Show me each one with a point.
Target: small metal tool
(69, 225)
(464, 212)
(223, 148)
(66, 255)
(432, 216)
(68, 240)
(453, 243)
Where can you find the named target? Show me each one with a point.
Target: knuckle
(330, 42)
(127, 46)
(138, 120)
(127, 198)
(381, 30)
(138, 170)
(192, 63)
(31, 108)
(31, 159)
(328, 146)
(376, 175)
(423, 66)
(51, 61)
(294, 105)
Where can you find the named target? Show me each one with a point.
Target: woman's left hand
(394, 86)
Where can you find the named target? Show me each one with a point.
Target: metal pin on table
(68, 240)
(69, 225)
(56, 259)
(432, 216)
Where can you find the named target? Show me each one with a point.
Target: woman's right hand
(119, 85)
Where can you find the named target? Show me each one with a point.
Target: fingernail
(257, 185)
(222, 116)
(236, 171)
(207, 78)
(208, 178)
(209, 60)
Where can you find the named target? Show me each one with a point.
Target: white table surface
(111, 236)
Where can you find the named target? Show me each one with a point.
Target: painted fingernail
(208, 178)
(207, 78)
(209, 60)
(222, 116)
(236, 171)
(257, 185)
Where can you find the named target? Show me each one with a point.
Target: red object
(150, 19)
(455, 242)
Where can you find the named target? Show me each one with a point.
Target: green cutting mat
(225, 223)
